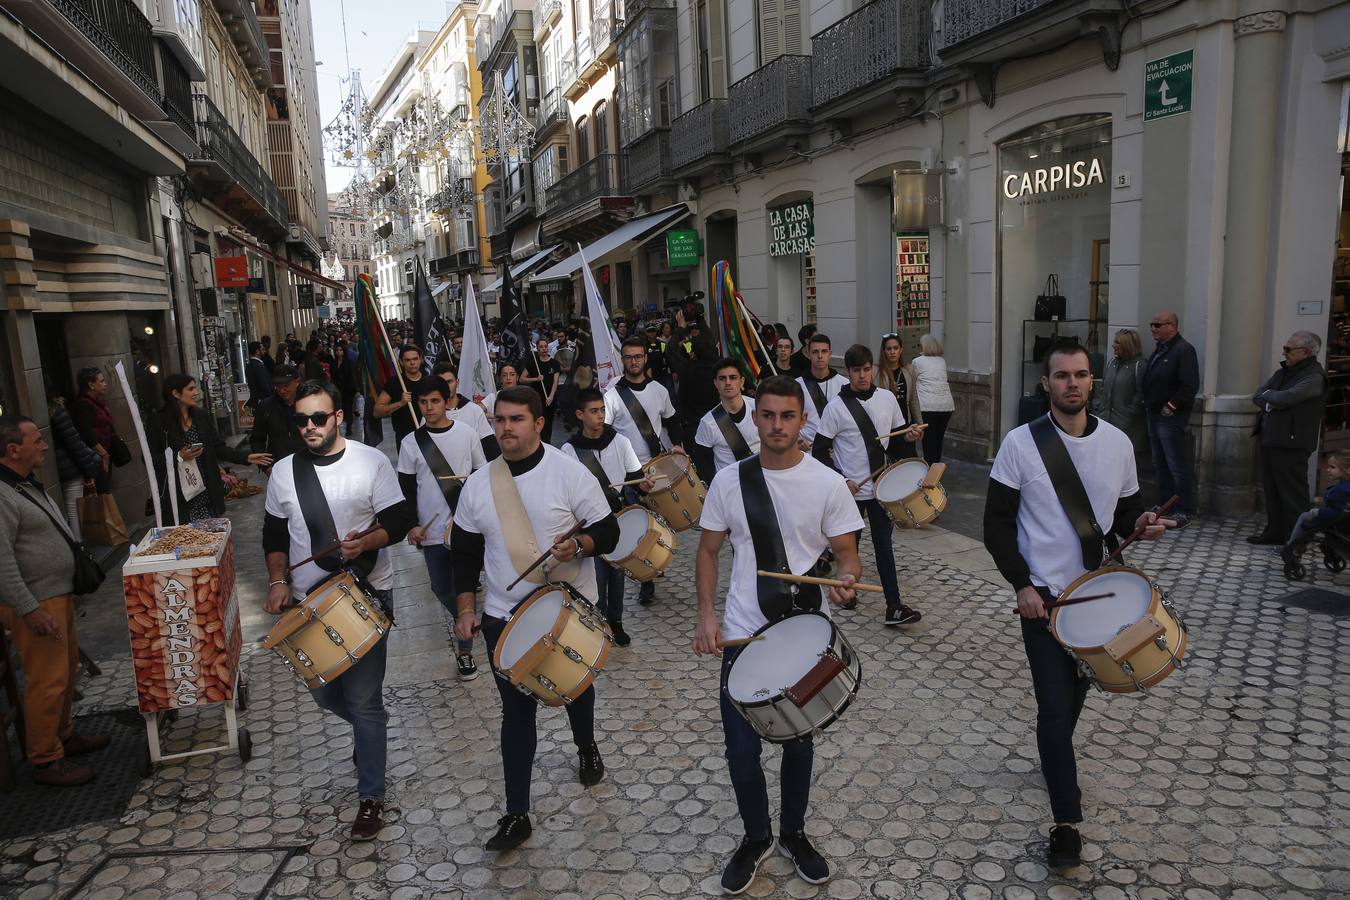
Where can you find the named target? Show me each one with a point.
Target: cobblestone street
(1228, 780)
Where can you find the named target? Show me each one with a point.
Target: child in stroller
(1326, 523)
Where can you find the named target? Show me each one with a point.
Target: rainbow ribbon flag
(377, 362)
(737, 327)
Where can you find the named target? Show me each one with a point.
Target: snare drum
(910, 493)
(554, 645)
(797, 679)
(679, 493)
(646, 544)
(337, 623)
(1130, 641)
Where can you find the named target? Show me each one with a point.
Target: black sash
(876, 454)
(1069, 488)
(319, 520)
(639, 417)
(776, 598)
(730, 433)
(440, 467)
(591, 460)
(817, 394)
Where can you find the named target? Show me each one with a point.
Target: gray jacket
(35, 560)
(1291, 403)
(1118, 399)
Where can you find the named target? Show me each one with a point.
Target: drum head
(672, 465)
(534, 620)
(633, 525)
(1094, 623)
(786, 652)
(902, 480)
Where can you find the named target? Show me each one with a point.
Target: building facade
(349, 243)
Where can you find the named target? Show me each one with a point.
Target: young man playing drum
(813, 510)
(854, 426)
(337, 487)
(727, 434)
(610, 458)
(528, 498)
(429, 461)
(821, 384)
(1032, 539)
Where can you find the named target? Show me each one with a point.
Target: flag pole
(758, 340)
(398, 367)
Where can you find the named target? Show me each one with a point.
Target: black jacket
(698, 391)
(75, 460)
(162, 433)
(273, 430)
(1291, 403)
(1172, 374)
(258, 381)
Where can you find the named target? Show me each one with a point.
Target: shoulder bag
(88, 574)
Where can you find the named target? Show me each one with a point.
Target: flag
(378, 362)
(737, 327)
(514, 343)
(604, 339)
(429, 328)
(475, 365)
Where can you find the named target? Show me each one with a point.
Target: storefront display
(912, 300)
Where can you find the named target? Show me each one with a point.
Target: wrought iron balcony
(177, 93)
(454, 195)
(452, 263)
(867, 47)
(965, 19)
(699, 135)
(648, 161)
(773, 96)
(604, 29)
(121, 32)
(218, 143)
(545, 12)
(552, 111)
(590, 181)
(632, 8)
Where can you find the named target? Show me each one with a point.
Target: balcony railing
(594, 179)
(702, 132)
(493, 32)
(648, 161)
(454, 262)
(553, 109)
(121, 32)
(448, 197)
(631, 8)
(882, 38)
(567, 69)
(545, 11)
(177, 93)
(219, 143)
(964, 19)
(772, 95)
(604, 29)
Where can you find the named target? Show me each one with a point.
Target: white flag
(602, 330)
(475, 366)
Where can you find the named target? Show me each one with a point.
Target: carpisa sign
(792, 229)
(1167, 85)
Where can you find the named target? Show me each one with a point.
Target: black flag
(429, 328)
(515, 337)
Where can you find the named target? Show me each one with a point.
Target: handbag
(1044, 343)
(1051, 305)
(190, 478)
(101, 520)
(119, 454)
(88, 575)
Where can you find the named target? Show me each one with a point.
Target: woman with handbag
(76, 462)
(935, 396)
(94, 421)
(1117, 398)
(897, 376)
(183, 426)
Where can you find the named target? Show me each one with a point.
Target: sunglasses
(1158, 324)
(888, 335)
(1288, 349)
(320, 419)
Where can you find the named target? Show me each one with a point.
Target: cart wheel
(143, 765)
(1295, 571)
(1333, 562)
(241, 696)
(245, 745)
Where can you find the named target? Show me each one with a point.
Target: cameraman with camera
(695, 368)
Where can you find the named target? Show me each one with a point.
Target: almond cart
(183, 621)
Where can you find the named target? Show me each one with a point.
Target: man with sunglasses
(356, 490)
(1290, 426)
(1170, 383)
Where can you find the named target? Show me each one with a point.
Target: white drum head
(903, 480)
(672, 465)
(786, 652)
(1096, 622)
(633, 524)
(530, 624)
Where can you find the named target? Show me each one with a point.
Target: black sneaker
(592, 766)
(647, 594)
(902, 615)
(369, 820)
(621, 638)
(1261, 539)
(811, 866)
(512, 830)
(740, 872)
(468, 669)
(1066, 847)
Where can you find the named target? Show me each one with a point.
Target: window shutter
(770, 30)
(717, 49)
(792, 26)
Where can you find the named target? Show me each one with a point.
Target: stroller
(1333, 536)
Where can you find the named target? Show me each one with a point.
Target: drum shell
(302, 635)
(653, 553)
(578, 627)
(680, 502)
(917, 508)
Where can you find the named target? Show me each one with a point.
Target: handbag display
(101, 520)
(88, 575)
(1051, 305)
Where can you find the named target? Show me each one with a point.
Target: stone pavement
(1229, 780)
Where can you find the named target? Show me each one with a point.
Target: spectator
(37, 607)
(1117, 398)
(935, 396)
(696, 371)
(267, 354)
(95, 423)
(897, 376)
(1335, 505)
(317, 367)
(76, 462)
(257, 375)
(801, 363)
(1171, 381)
(274, 431)
(1290, 426)
(345, 379)
(542, 374)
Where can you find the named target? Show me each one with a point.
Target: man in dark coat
(1171, 381)
(1290, 426)
(274, 430)
(256, 375)
(696, 370)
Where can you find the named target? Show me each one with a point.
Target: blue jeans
(443, 583)
(881, 525)
(357, 697)
(747, 775)
(609, 591)
(1171, 463)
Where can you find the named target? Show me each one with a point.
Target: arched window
(601, 116)
(583, 141)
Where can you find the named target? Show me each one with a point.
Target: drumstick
(1056, 604)
(872, 475)
(451, 477)
(1138, 532)
(543, 557)
(738, 642)
(654, 478)
(823, 582)
(902, 430)
(331, 547)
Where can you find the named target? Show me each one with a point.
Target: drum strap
(730, 432)
(319, 519)
(817, 394)
(639, 416)
(1069, 488)
(776, 598)
(876, 454)
(440, 467)
(518, 531)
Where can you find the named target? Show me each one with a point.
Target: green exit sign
(1167, 85)
(683, 248)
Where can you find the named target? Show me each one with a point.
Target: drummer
(610, 458)
(821, 384)
(727, 433)
(813, 510)
(1038, 551)
(640, 410)
(357, 489)
(462, 409)
(852, 426)
(550, 493)
(427, 460)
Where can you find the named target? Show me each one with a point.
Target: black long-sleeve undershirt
(467, 548)
(395, 519)
(822, 446)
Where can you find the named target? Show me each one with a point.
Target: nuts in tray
(184, 541)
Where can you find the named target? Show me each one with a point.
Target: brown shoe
(63, 773)
(79, 744)
(368, 820)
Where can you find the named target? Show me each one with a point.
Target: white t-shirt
(850, 452)
(830, 387)
(360, 484)
(813, 505)
(617, 459)
(655, 400)
(556, 493)
(1045, 536)
(472, 415)
(464, 453)
(709, 434)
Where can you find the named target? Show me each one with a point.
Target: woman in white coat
(935, 396)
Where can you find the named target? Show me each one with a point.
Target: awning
(636, 230)
(520, 270)
(525, 242)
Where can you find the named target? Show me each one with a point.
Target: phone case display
(809, 286)
(912, 299)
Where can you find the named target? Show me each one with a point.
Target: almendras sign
(1080, 174)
